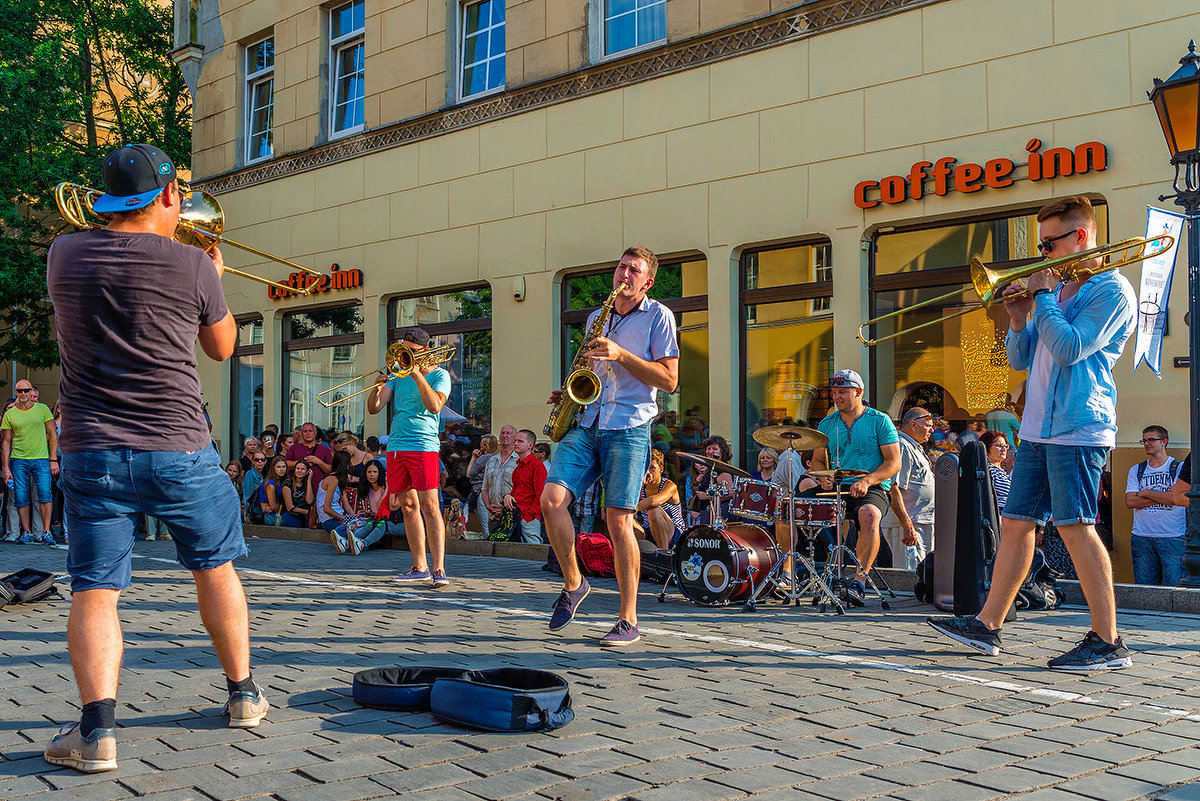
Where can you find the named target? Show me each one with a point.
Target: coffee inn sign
(947, 174)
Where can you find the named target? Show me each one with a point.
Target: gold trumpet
(201, 222)
(989, 284)
(399, 362)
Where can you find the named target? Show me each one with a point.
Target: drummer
(860, 438)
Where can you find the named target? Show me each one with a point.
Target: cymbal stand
(835, 563)
(816, 582)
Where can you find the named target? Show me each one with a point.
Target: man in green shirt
(29, 447)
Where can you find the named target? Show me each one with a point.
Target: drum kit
(723, 562)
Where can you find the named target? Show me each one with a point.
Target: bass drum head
(711, 564)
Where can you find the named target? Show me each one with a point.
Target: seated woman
(270, 491)
(235, 473)
(298, 496)
(659, 513)
(373, 494)
(251, 511)
(330, 513)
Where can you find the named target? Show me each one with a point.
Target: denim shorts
(105, 492)
(23, 471)
(620, 457)
(1055, 481)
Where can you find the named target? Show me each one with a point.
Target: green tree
(77, 78)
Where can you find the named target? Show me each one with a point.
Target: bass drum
(712, 565)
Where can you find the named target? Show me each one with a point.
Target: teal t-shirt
(857, 447)
(415, 428)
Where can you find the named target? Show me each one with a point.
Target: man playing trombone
(1068, 336)
(413, 469)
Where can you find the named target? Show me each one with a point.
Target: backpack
(26, 586)
(1040, 590)
(595, 554)
(1174, 470)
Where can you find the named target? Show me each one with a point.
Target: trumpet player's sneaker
(93, 754)
(968, 631)
(246, 709)
(1093, 653)
(567, 604)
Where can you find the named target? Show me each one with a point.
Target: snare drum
(713, 565)
(754, 499)
(815, 511)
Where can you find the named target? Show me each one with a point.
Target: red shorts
(407, 470)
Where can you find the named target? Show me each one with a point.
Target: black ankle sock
(246, 685)
(100, 714)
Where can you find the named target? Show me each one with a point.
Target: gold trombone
(988, 283)
(399, 362)
(201, 222)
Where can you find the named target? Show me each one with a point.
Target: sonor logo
(947, 175)
(699, 543)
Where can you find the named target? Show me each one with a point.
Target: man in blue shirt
(636, 356)
(860, 438)
(413, 466)
(1068, 339)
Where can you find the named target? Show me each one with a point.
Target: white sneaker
(356, 545)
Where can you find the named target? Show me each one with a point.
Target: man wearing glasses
(1158, 524)
(30, 454)
(1068, 336)
(413, 466)
(908, 524)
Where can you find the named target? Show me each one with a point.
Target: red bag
(595, 554)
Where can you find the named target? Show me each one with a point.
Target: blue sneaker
(412, 575)
(47, 538)
(567, 603)
(26, 539)
(621, 634)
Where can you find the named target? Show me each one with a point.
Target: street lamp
(1177, 101)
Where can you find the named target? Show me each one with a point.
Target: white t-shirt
(1158, 520)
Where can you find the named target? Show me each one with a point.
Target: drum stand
(817, 583)
(836, 564)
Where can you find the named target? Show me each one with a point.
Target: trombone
(989, 283)
(399, 362)
(201, 221)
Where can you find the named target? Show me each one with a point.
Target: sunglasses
(842, 381)
(1047, 245)
(259, 461)
(24, 389)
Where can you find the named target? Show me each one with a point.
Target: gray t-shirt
(128, 307)
(915, 481)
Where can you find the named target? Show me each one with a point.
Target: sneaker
(1093, 653)
(11, 537)
(356, 545)
(150, 538)
(47, 538)
(94, 754)
(567, 604)
(246, 710)
(440, 580)
(856, 593)
(412, 575)
(968, 631)
(338, 541)
(26, 539)
(621, 634)
(164, 536)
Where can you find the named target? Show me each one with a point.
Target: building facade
(477, 167)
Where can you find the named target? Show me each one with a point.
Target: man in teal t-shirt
(860, 438)
(413, 469)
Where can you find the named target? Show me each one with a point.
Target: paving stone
(760, 779)
(669, 770)
(1186, 792)
(520, 782)
(347, 769)
(860, 786)
(162, 780)
(1160, 771)
(580, 765)
(1110, 787)
(338, 791)
(954, 790)
(696, 790)
(913, 774)
(602, 787)
(257, 784)
(426, 778)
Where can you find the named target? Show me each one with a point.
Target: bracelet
(1037, 292)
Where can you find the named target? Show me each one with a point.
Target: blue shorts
(104, 492)
(620, 457)
(1059, 481)
(23, 470)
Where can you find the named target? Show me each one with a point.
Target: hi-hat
(838, 473)
(714, 464)
(796, 437)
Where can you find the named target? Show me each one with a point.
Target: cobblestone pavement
(785, 703)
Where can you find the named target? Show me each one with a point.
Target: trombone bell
(399, 362)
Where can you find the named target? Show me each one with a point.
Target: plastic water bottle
(11, 486)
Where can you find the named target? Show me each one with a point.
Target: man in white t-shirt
(908, 525)
(1158, 524)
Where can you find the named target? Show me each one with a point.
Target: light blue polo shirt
(415, 428)
(857, 447)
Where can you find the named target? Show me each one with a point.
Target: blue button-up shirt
(1084, 342)
(647, 332)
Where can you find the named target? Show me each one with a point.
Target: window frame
(289, 345)
(254, 79)
(602, 18)
(239, 350)
(338, 44)
(460, 93)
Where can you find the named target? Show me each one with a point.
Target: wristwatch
(1040, 291)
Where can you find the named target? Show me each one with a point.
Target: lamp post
(1177, 101)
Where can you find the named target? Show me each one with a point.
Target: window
(462, 318)
(246, 384)
(681, 286)
(260, 98)
(346, 29)
(321, 349)
(629, 24)
(786, 339)
(481, 48)
(957, 367)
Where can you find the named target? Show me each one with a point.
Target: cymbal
(838, 474)
(714, 464)
(796, 437)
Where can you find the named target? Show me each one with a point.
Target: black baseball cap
(417, 335)
(134, 175)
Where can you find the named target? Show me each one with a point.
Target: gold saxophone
(582, 385)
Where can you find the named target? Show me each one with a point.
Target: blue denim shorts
(1059, 481)
(620, 457)
(104, 492)
(26, 470)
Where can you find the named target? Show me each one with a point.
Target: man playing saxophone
(634, 355)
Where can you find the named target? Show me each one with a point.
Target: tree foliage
(77, 78)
